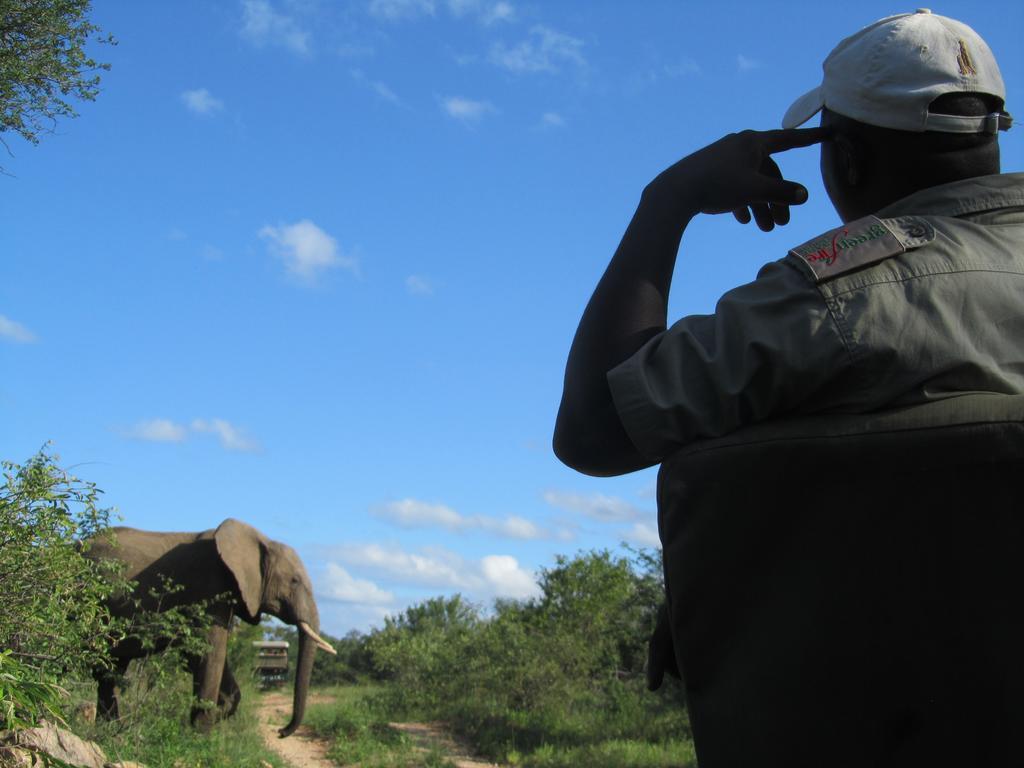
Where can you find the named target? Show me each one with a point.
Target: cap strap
(991, 123)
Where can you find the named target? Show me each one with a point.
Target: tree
(43, 63)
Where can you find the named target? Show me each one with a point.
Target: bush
(24, 700)
(53, 616)
(423, 652)
(53, 619)
(564, 670)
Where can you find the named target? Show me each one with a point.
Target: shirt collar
(962, 198)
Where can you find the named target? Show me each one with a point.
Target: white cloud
(683, 68)
(384, 92)
(201, 101)
(412, 513)
(418, 286)
(16, 332)
(506, 579)
(231, 437)
(262, 25)
(355, 50)
(397, 10)
(157, 431)
(376, 86)
(491, 576)
(466, 110)
(597, 506)
(422, 570)
(514, 527)
(544, 51)
(552, 120)
(644, 534)
(345, 588)
(744, 64)
(306, 250)
(211, 252)
(500, 11)
(486, 13)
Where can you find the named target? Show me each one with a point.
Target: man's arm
(630, 304)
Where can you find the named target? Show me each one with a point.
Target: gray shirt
(943, 317)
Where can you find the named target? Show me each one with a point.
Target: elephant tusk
(323, 644)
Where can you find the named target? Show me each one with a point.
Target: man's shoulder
(860, 243)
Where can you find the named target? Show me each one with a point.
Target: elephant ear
(241, 547)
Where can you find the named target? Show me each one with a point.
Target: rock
(124, 764)
(55, 742)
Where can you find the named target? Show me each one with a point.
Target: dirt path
(430, 735)
(301, 749)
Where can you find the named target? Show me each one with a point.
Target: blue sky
(317, 265)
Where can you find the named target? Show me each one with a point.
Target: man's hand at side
(630, 304)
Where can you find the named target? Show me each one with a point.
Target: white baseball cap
(888, 73)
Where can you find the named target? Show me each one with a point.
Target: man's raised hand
(737, 174)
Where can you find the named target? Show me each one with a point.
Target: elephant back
(134, 548)
(154, 560)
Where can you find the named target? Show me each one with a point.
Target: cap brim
(804, 108)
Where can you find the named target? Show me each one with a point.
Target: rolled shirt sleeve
(771, 346)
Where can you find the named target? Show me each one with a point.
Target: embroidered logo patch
(852, 245)
(964, 61)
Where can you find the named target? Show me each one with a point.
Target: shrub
(52, 616)
(565, 669)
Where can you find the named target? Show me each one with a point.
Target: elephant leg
(207, 673)
(108, 689)
(230, 693)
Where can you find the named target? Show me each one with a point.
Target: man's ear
(850, 157)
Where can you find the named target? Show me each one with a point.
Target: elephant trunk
(303, 671)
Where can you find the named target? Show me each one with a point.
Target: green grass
(614, 753)
(357, 724)
(582, 725)
(155, 727)
(631, 733)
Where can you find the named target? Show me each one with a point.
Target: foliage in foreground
(556, 680)
(52, 614)
(52, 621)
(24, 699)
(155, 729)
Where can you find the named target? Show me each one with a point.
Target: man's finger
(742, 215)
(791, 138)
(781, 214)
(778, 191)
(763, 217)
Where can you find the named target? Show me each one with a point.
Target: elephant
(263, 576)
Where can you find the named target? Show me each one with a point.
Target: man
(832, 605)
(916, 297)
